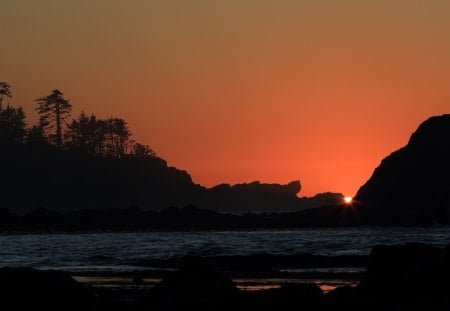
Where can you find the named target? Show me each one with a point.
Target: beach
(411, 276)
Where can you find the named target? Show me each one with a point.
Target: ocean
(126, 251)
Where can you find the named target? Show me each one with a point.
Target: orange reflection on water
(254, 284)
(258, 287)
(326, 287)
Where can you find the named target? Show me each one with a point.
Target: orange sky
(238, 90)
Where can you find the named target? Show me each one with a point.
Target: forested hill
(70, 181)
(67, 180)
(65, 164)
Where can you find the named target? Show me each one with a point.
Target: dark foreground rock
(408, 270)
(412, 275)
(196, 286)
(24, 288)
(406, 277)
(287, 297)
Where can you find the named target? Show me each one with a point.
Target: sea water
(125, 251)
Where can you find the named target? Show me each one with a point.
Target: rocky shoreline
(404, 277)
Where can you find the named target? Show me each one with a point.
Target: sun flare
(348, 200)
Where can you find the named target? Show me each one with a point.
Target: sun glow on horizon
(348, 200)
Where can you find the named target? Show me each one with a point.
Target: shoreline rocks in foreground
(405, 277)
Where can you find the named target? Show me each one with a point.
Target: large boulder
(26, 288)
(196, 286)
(412, 270)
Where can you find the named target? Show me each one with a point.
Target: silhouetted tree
(4, 91)
(12, 125)
(109, 137)
(12, 120)
(53, 109)
(35, 138)
(143, 150)
(117, 136)
(86, 134)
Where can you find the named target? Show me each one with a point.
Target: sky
(241, 90)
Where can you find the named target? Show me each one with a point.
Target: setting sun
(348, 200)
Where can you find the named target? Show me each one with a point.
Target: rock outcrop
(412, 185)
(196, 286)
(30, 289)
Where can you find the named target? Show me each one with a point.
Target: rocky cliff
(413, 183)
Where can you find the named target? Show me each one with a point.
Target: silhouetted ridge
(432, 134)
(65, 181)
(255, 196)
(412, 185)
(92, 163)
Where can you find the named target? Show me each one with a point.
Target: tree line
(88, 134)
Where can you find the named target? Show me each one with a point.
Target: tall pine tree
(53, 109)
(4, 91)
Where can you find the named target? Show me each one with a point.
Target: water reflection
(245, 284)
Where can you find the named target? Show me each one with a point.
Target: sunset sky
(238, 90)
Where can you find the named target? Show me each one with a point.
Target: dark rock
(196, 286)
(349, 298)
(262, 197)
(412, 185)
(287, 297)
(43, 290)
(411, 271)
(137, 278)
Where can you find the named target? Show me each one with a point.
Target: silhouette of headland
(412, 185)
